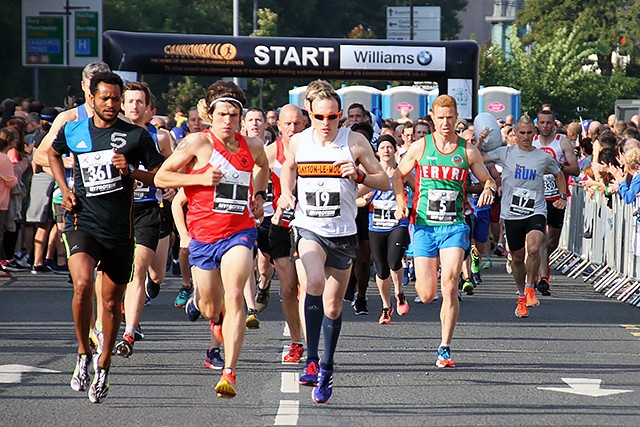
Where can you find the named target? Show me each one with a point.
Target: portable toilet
(296, 96)
(432, 95)
(499, 101)
(395, 99)
(365, 95)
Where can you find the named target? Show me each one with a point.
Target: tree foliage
(556, 71)
(184, 94)
(603, 22)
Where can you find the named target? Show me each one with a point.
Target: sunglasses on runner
(330, 116)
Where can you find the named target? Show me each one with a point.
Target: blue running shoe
(444, 358)
(322, 392)
(310, 375)
(183, 297)
(193, 313)
(214, 360)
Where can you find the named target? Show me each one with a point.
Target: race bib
(523, 201)
(98, 174)
(323, 198)
(383, 213)
(231, 195)
(441, 206)
(550, 186)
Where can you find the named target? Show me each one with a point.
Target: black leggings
(387, 250)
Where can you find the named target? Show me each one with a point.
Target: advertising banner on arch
(289, 57)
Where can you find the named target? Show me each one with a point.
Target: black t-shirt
(104, 196)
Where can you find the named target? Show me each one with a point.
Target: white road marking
(585, 387)
(10, 374)
(286, 332)
(289, 382)
(287, 413)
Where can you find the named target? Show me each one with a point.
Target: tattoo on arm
(182, 145)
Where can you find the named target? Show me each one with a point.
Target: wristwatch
(563, 196)
(131, 169)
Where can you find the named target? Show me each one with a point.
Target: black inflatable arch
(452, 65)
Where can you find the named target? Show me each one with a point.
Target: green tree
(604, 22)
(184, 94)
(558, 72)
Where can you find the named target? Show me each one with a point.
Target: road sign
(45, 40)
(61, 32)
(426, 23)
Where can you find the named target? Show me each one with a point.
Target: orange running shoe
(295, 353)
(521, 308)
(216, 327)
(385, 317)
(532, 299)
(226, 387)
(402, 307)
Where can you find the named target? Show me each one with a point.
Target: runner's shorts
(114, 257)
(428, 240)
(208, 256)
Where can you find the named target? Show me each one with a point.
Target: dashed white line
(289, 382)
(287, 413)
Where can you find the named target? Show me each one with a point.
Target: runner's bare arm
(570, 154)
(476, 164)
(376, 178)
(193, 150)
(165, 142)
(405, 167)
(40, 156)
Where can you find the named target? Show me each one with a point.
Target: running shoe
(521, 308)
(475, 260)
(476, 278)
(487, 264)
(322, 391)
(444, 358)
(124, 347)
(544, 287)
(508, 265)
(226, 387)
(175, 267)
(183, 297)
(500, 250)
(96, 341)
(80, 379)
(99, 387)
(252, 319)
(14, 266)
(214, 360)
(402, 307)
(62, 269)
(138, 335)
(193, 313)
(40, 269)
(263, 297)
(216, 327)
(467, 287)
(360, 306)
(152, 288)
(385, 316)
(417, 299)
(295, 353)
(310, 374)
(531, 298)
(147, 301)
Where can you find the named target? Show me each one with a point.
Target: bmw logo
(425, 57)
(235, 175)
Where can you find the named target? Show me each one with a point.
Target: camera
(579, 109)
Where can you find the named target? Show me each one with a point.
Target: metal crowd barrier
(601, 244)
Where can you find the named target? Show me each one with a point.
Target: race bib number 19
(99, 176)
